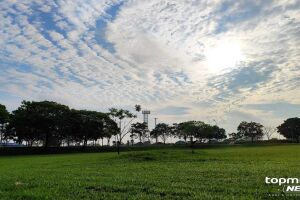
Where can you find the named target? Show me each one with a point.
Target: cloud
(173, 110)
(277, 108)
(97, 54)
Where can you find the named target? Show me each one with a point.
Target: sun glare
(223, 55)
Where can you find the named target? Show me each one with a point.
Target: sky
(221, 62)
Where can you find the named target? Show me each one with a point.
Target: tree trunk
(120, 138)
(191, 139)
(1, 133)
(192, 144)
(46, 141)
(118, 147)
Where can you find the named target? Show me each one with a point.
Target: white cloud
(159, 58)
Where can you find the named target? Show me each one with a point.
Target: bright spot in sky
(224, 55)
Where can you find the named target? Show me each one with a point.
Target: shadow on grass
(169, 155)
(140, 190)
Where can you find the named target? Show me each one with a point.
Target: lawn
(233, 172)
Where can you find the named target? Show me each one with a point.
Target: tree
(155, 133)
(124, 118)
(34, 121)
(138, 108)
(219, 133)
(161, 130)
(110, 129)
(180, 131)
(4, 114)
(92, 126)
(205, 131)
(236, 136)
(269, 131)
(84, 126)
(188, 129)
(251, 129)
(139, 130)
(4, 117)
(55, 124)
(73, 127)
(290, 129)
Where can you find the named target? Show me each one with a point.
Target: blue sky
(216, 61)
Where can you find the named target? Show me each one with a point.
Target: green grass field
(175, 173)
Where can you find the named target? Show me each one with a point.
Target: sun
(223, 55)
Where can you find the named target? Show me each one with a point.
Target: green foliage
(34, 121)
(53, 123)
(139, 130)
(219, 133)
(290, 129)
(120, 113)
(86, 125)
(215, 173)
(138, 108)
(236, 136)
(4, 119)
(124, 119)
(252, 130)
(4, 114)
(200, 130)
(110, 128)
(162, 131)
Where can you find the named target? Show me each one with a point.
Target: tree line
(52, 124)
(188, 131)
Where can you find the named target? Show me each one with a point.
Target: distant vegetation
(51, 124)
